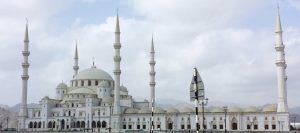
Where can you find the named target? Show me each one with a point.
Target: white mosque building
(94, 100)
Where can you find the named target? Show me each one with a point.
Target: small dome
(46, 98)
(123, 88)
(144, 111)
(187, 110)
(235, 109)
(251, 109)
(93, 73)
(107, 99)
(82, 91)
(217, 109)
(158, 110)
(270, 108)
(131, 111)
(62, 86)
(172, 110)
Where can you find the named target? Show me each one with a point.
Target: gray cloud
(236, 64)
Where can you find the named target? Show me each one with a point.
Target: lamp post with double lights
(99, 114)
(109, 128)
(203, 103)
(294, 119)
(225, 111)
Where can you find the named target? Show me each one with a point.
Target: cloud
(294, 3)
(235, 63)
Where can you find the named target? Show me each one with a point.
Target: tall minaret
(281, 66)
(75, 67)
(25, 77)
(117, 70)
(152, 75)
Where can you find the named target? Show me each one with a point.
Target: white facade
(94, 100)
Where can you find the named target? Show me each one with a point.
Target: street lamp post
(189, 123)
(251, 126)
(7, 123)
(99, 127)
(225, 111)
(109, 128)
(294, 119)
(133, 127)
(203, 103)
(279, 126)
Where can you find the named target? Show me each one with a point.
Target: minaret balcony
(25, 53)
(280, 63)
(117, 45)
(117, 58)
(25, 77)
(25, 65)
(279, 47)
(152, 62)
(152, 83)
(117, 72)
(152, 73)
(76, 67)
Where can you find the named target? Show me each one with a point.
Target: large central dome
(93, 73)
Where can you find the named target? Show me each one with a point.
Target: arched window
(93, 124)
(89, 82)
(103, 124)
(35, 125)
(82, 124)
(77, 124)
(98, 124)
(82, 83)
(49, 124)
(30, 125)
(39, 124)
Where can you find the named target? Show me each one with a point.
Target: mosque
(95, 101)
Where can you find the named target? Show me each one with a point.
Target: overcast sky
(230, 42)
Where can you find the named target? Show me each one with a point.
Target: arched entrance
(94, 124)
(169, 124)
(234, 125)
(98, 124)
(62, 124)
(77, 124)
(103, 124)
(49, 124)
(82, 124)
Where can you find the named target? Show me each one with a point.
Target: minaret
(117, 70)
(75, 67)
(25, 77)
(281, 66)
(152, 75)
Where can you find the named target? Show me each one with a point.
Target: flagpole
(196, 98)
